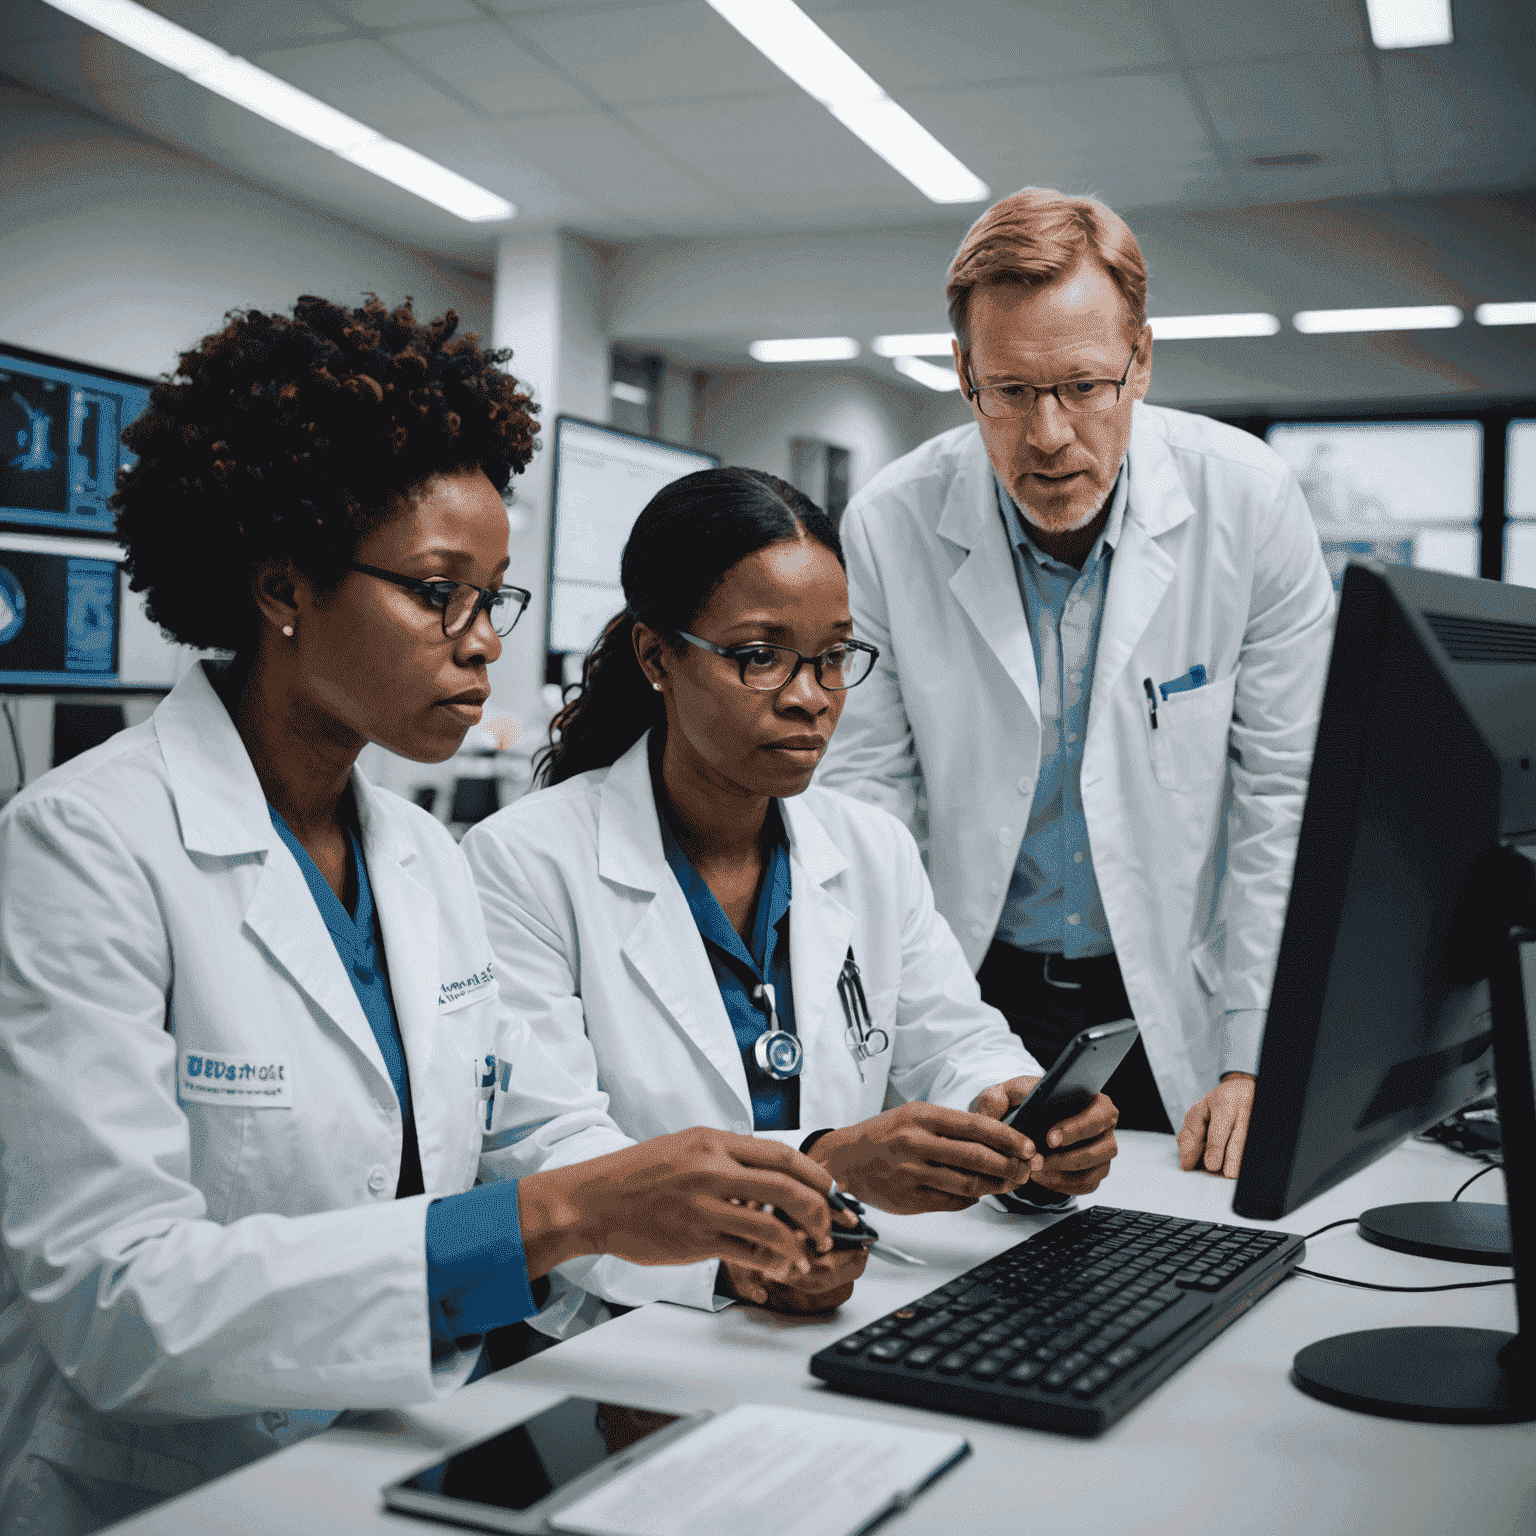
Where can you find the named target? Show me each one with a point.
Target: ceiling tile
(1462, 116)
(386, 14)
(1212, 31)
(1138, 134)
(365, 80)
(493, 157)
(242, 28)
(1315, 106)
(592, 155)
(923, 44)
(484, 64)
(770, 146)
(174, 109)
(86, 58)
(677, 51)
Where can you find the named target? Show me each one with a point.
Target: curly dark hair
(292, 438)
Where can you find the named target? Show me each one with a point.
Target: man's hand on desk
(828, 1285)
(1216, 1128)
(1089, 1137)
(925, 1157)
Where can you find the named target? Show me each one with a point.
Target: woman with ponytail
(692, 928)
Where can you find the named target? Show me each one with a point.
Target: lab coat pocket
(1189, 746)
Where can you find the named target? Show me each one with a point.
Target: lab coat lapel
(820, 926)
(408, 921)
(984, 585)
(664, 947)
(1141, 569)
(222, 812)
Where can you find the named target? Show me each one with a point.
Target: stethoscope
(779, 1054)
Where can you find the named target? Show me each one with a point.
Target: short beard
(1072, 527)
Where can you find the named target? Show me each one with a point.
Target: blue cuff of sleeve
(1243, 1037)
(477, 1274)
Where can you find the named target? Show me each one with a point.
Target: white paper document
(757, 1471)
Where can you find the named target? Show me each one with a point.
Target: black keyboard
(1071, 1328)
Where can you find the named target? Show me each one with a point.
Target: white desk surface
(1227, 1446)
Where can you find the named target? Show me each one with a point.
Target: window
(1407, 492)
(1520, 530)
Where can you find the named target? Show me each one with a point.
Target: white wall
(750, 416)
(121, 252)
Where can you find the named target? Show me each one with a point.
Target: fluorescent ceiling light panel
(241, 82)
(1202, 327)
(1420, 317)
(805, 349)
(1505, 314)
(934, 377)
(1410, 23)
(925, 344)
(788, 38)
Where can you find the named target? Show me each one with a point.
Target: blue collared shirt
(775, 1103)
(1053, 902)
(477, 1274)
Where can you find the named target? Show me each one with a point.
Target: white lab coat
(179, 1270)
(596, 946)
(1192, 827)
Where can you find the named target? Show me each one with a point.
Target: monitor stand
(1474, 1233)
(1461, 1375)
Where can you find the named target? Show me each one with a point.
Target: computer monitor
(59, 614)
(60, 439)
(1406, 982)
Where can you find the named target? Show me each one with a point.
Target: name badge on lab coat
(236, 1082)
(467, 989)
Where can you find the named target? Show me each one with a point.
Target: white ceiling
(633, 120)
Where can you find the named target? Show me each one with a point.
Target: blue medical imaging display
(58, 618)
(60, 448)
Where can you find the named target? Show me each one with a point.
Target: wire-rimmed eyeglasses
(1011, 401)
(768, 668)
(459, 602)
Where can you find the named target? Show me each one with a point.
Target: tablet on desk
(520, 1479)
(584, 1468)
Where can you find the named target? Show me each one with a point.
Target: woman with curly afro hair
(271, 1146)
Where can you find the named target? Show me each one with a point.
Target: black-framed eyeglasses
(1083, 397)
(768, 668)
(460, 602)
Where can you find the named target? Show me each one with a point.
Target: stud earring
(656, 686)
(288, 630)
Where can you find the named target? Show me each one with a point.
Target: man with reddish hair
(1104, 629)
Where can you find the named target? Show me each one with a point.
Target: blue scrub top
(739, 969)
(477, 1274)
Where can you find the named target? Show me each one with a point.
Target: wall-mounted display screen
(59, 608)
(60, 447)
(1406, 493)
(603, 479)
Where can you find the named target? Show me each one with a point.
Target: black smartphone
(1075, 1079)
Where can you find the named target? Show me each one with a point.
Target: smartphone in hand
(1076, 1078)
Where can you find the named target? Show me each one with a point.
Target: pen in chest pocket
(1146, 683)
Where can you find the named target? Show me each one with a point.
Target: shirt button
(1025, 787)
(1071, 735)
(378, 1178)
(1073, 918)
(1077, 677)
(978, 929)
(1077, 858)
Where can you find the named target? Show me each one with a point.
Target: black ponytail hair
(689, 535)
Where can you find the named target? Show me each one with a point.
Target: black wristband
(815, 1136)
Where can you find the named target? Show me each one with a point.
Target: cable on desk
(1348, 1221)
(1370, 1285)
(1475, 1177)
